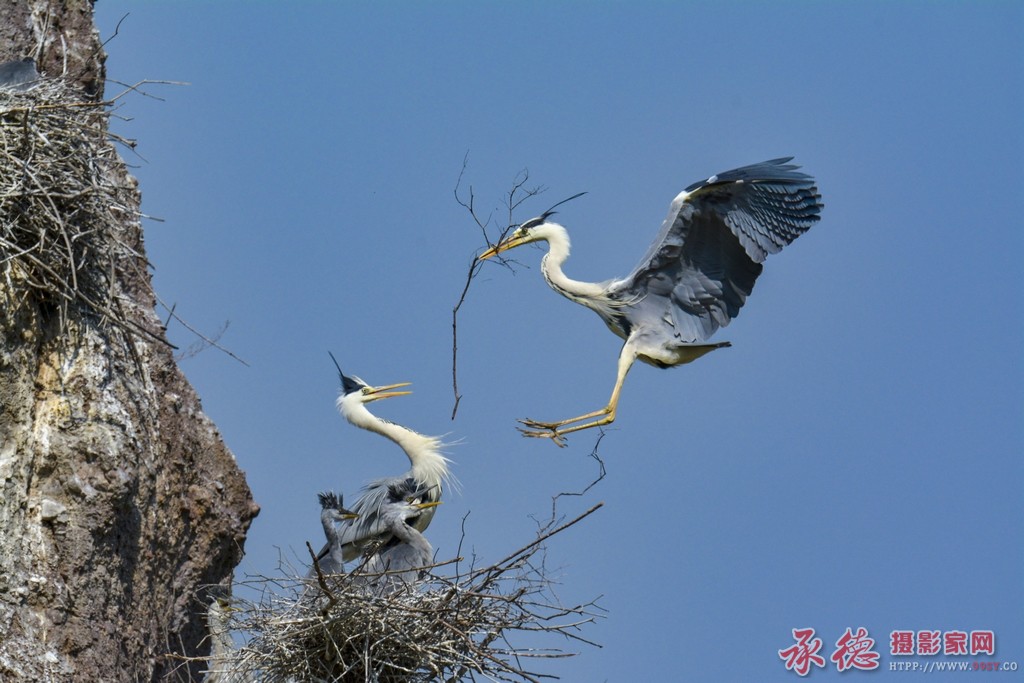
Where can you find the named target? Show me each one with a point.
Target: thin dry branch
(203, 342)
(515, 197)
(601, 472)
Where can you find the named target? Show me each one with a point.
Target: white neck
(551, 267)
(428, 465)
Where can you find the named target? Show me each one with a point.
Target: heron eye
(366, 391)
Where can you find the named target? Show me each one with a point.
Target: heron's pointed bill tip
(377, 393)
(424, 506)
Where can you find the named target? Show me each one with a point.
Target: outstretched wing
(699, 271)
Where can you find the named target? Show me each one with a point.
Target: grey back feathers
(398, 561)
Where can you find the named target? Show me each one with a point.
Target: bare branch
(516, 196)
(204, 341)
(474, 268)
(600, 475)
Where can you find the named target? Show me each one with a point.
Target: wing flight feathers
(702, 266)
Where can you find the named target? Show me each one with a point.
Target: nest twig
(453, 627)
(518, 194)
(63, 207)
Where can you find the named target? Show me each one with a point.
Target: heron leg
(606, 415)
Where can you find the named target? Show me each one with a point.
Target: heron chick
(694, 278)
(401, 558)
(334, 518)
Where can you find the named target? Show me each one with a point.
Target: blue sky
(853, 460)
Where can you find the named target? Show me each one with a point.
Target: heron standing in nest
(425, 479)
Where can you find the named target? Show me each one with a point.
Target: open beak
(510, 243)
(377, 393)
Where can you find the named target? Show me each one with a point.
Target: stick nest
(64, 203)
(445, 628)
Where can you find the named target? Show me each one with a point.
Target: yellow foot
(534, 424)
(543, 432)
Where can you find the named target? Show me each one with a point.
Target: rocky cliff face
(118, 498)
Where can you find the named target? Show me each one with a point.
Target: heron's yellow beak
(225, 604)
(349, 515)
(377, 393)
(424, 506)
(510, 243)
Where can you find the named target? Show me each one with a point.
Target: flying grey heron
(400, 558)
(425, 478)
(334, 517)
(694, 278)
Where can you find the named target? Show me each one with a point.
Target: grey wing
(702, 266)
(368, 525)
(390, 568)
(401, 558)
